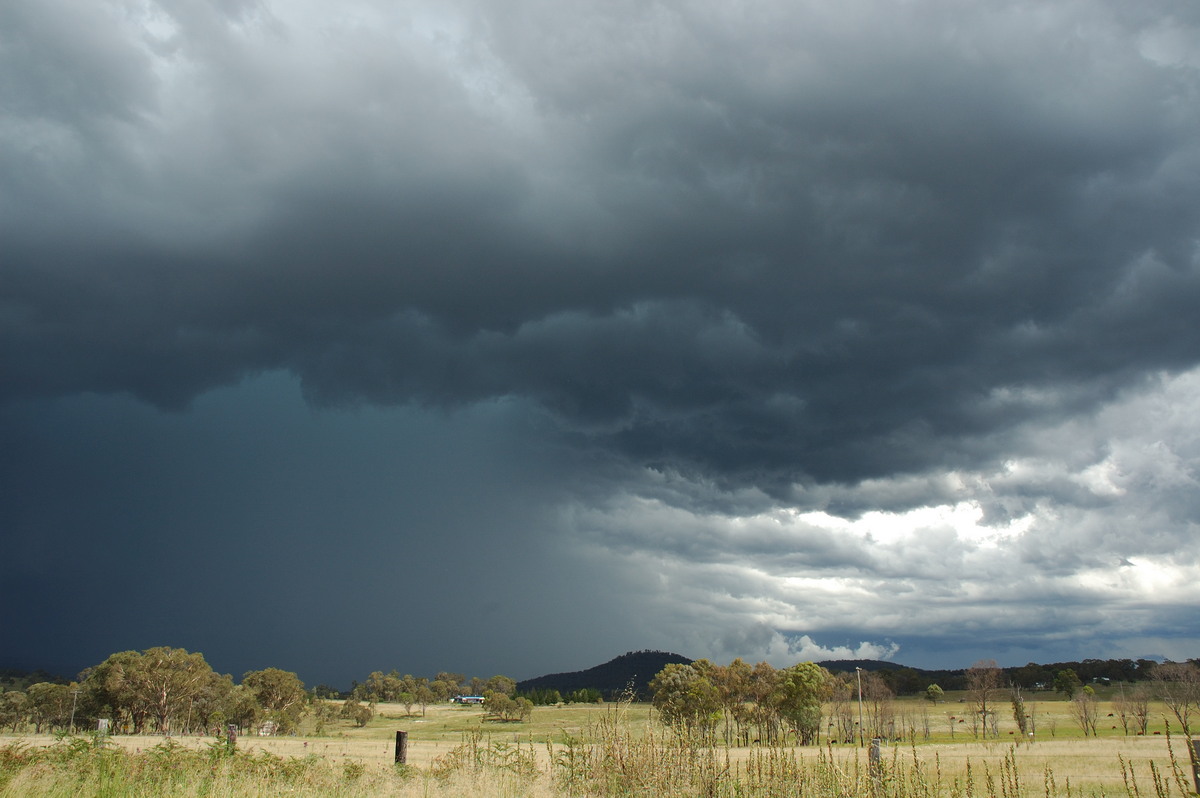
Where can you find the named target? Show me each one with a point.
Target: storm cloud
(762, 329)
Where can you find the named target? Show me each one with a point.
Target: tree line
(166, 690)
(760, 703)
(499, 693)
(902, 680)
(171, 691)
(748, 703)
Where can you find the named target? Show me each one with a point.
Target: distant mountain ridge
(636, 668)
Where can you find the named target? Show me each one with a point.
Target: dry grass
(591, 750)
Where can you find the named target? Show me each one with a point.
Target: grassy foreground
(612, 750)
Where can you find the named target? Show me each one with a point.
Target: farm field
(462, 746)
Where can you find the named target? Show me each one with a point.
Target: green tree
(801, 692)
(14, 709)
(424, 694)
(544, 697)
(172, 677)
(353, 709)
(585, 695)
(1031, 675)
(323, 712)
(1067, 682)
(934, 693)
(374, 689)
(157, 684)
(211, 706)
(243, 708)
(499, 705)
(446, 685)
(381, 687)
(732, 682)
(500, 684)
(280, 693)
(112, 691)
(687, 701)
(49, 705)
(326, 691)
(760, 707)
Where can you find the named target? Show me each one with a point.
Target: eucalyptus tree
(801, 692)
(732, 682)
(760, 691)
(49, 705)
(686, 699)
(280, 693)
(158, 684)
(14, 709)
(500, 684)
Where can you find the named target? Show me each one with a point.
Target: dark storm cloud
(790, 313)
(767, 244)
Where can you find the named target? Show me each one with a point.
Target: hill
(633, 670)
(17, 679)
(849, 665)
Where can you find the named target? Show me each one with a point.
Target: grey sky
(768, 329)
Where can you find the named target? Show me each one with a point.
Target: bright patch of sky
(964, 519)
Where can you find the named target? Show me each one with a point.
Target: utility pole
(858, 674)
(74, 701)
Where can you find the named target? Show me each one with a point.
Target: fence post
(401, 748)
(1195, 752)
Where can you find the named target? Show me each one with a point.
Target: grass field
(613, 749)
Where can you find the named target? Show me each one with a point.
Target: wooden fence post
(1195, 752)
(401, 748)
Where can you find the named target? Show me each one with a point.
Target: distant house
(467, 699)
(268, 728)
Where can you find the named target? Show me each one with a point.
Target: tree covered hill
(632, 670)
(17, 679)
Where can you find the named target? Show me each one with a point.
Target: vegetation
(171, 691)
(737, 729)
(621, 750)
